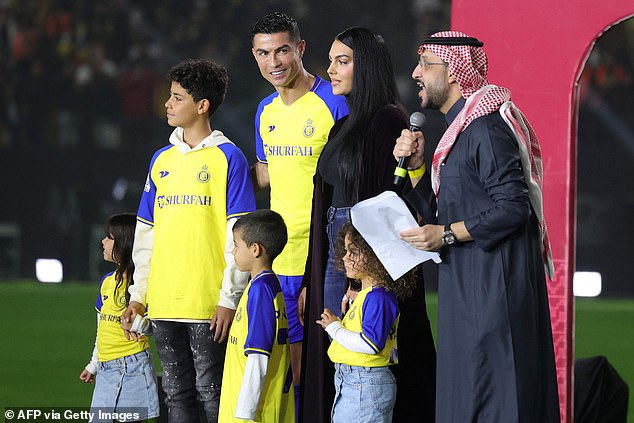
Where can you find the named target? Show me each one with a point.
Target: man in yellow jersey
(195, 190)
(291, 129)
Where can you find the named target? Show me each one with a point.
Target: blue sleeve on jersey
(339, 107)
(336, 103)
(259, 147)
(262, 320)
(240, 196)
(380, 310)
(99, 302)
(146, 207)
(259, 144)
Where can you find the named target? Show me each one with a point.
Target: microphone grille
(417, 119)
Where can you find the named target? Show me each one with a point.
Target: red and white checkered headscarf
(468, 64)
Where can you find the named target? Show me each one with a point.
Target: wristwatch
(448, 237)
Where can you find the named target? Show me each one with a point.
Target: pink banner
(538, 49)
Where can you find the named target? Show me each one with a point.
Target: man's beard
(436, 96)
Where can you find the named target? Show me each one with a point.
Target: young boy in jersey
(257, 376)
(195, 190)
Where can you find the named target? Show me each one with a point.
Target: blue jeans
(363, 394)
(334, 280)
(192, 369)
(126, 385)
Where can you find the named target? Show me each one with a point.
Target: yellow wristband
(417, 173)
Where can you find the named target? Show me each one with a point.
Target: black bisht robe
(495, 350)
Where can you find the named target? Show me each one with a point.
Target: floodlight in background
(49, 270)
(586, 284)
(119, 189)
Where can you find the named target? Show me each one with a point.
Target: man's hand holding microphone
(409, 149)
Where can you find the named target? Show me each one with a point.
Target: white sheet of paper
(379, 220)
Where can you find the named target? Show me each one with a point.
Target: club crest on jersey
(309, 129)
(239, 314)
(203, 175)
(352, 313)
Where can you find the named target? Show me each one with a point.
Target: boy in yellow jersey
(196, 188)
(257, 376)
(291, 129)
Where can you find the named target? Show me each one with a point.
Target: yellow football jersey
(289, 139)
(188, 199)
(111, 342)
(374, 315)
(260, 326)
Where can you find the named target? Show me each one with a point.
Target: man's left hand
(221, 322)
(426, 237)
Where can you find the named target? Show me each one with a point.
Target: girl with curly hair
(364, 342)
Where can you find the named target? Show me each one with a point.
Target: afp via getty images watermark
(72, 414)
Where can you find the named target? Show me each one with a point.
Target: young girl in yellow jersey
(364, 342)
(125, 383)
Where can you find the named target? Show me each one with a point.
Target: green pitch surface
(606, 327)
(47, 334)
(602, 327)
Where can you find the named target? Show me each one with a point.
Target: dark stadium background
(82, 87)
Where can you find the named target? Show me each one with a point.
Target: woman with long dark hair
(357, 164)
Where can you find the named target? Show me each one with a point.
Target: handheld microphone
(416, 122)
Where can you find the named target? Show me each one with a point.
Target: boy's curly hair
(202, 79)
(371, 265)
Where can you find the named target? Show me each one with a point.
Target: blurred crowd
(82, 70)
(77, 70)
(82, 88)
